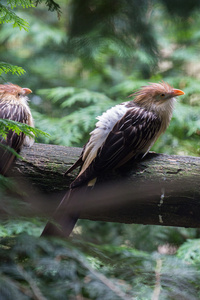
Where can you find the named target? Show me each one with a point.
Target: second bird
(14, 106)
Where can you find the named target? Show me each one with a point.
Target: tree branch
(160, 189)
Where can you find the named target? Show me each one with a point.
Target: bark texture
(160, 189)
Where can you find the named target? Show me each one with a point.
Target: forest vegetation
(80, 58)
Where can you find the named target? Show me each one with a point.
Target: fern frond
(6, 125)
(23, 3)
(6, 68)
(56, 94)
(8, 16)
(52, 6)
(74, 96)
(190, 251)
(76, 125)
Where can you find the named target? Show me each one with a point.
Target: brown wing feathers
(128, 137)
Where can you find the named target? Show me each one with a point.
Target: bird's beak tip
(177, 92)
(27, 91)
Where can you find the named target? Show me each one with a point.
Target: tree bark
(159, 189)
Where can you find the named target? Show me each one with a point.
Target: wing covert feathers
(133, 134)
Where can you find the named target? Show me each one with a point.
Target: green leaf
(52, 5)
(23, 3)
(6, 68)
(190, 251)
(8, 16)
(6, 125)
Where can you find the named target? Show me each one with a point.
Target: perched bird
(14, 106)
(123, 132)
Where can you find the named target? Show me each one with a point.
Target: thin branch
(37, 294)
(157, 289)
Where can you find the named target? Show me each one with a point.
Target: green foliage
(5, 68)
(182, 137)
(6, 125)
(120, 22)
(23, 3)
(76, 124)
(90, 59)
(190, 252)
(52, 6)
(33, 267)
(31, 226)
(8, 16)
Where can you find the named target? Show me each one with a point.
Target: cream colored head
(155, 94)
(13, 92)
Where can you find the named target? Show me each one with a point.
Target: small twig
(108, 283)
(37, 294)
(156, 292)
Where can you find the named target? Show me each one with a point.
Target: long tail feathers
(66, 214)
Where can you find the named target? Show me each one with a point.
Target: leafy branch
(23, 3)
(6, 68)
(6, 125)
(52, 6)
(8, 16)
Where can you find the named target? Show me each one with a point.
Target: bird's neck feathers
(13, 100)
(17, 101)
(157, 98)
(162, 109)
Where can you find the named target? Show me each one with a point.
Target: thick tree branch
(160, 189)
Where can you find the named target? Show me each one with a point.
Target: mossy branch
(160, 189)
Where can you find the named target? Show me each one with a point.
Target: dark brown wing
(131, 135)
(77, 164)
(13, 140)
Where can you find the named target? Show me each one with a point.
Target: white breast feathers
(103, 127)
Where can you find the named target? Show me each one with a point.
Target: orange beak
(176, 92)
(27, 91)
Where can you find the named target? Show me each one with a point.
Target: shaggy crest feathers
(149, 92)
(13, 89)
(10, 88)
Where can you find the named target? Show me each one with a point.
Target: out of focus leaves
(78, 65)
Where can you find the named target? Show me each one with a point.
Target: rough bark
(160, 189)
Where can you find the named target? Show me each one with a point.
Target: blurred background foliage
(80, 58)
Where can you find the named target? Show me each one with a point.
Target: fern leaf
(52, 6)
(23, 3)
(8, 16)
(6, 68)
(190, 251)
(6, 125)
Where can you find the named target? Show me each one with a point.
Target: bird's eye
(19, 94)
(162, 95)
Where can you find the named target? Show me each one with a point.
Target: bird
(14, 106)
(125, 131)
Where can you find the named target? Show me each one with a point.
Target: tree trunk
(160, 189)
